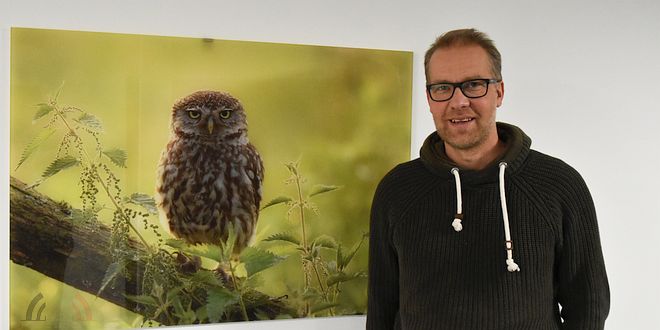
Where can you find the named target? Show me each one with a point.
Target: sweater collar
(517, 143)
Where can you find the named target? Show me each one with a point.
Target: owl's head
(210, 116)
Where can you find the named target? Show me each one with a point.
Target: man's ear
(500, 93)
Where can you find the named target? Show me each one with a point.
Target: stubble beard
(461, 142)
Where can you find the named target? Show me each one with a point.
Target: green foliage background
(345, 113)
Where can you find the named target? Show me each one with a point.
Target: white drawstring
(459, 202)
(511, 265)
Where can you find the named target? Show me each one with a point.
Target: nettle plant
(171, 290)
(323, 258)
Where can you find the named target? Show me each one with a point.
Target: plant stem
(98, 178)
(318, 277)
(304, 236)
(302, 212)
(239, 291)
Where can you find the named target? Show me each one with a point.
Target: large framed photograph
(168, 180)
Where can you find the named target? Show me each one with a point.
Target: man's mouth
(461, 120)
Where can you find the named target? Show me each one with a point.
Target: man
(481, 232)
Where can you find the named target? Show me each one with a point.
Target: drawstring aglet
(457, 222)
(512, 266)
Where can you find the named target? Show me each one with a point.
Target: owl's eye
(194, 114)
(225, 114)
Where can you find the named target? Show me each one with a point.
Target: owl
(209, 175)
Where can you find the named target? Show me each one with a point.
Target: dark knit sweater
(425, 275)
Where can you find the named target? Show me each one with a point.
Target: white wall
(582, 79)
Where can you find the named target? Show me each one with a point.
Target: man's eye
(472, 85)
(440, 88)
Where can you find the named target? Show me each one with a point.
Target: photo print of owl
(163, 181)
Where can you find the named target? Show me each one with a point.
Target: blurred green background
(345, 113)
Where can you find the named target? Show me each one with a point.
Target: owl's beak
(210, 126)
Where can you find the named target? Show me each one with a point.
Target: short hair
(465, 37)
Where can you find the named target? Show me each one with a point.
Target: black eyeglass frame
(460, 86)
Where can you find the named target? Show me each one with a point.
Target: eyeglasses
(473, 89)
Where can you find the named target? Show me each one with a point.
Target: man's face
(464, 123)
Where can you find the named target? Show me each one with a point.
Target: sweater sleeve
(383, 291)
(583, 293)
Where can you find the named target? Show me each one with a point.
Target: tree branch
(44, 238)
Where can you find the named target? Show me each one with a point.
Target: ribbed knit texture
(425, 275)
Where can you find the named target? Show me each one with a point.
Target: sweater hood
(517, 148)
(435, 159)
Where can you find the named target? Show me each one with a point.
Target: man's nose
(459, 100)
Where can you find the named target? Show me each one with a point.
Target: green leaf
(208, 251)
(325, 241)
(321, 188)
(342, 277)
(176, 243)
(202, 314)
(217, 301)
(34, 144)
(117, 156)
(113, 270)
(256, 260)
(277, 200)
(44, 109)
(255, 281)
(346, 259)
(207, 277)
(321, 307)
(60, 164)
(173, 293)
(143, 200)
(90, 121)
(311, 294)
(227, 247)
(143, 299)
(286, 237)
(293, 167)
(184, 315)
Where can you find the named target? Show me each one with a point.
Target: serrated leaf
(205, 277)
(325, 241)
(255, 281)
(33, 145)
(346, 259)
(285, 237)
(321, 188)
(117, 156)
(90, 121)
(143, 299)
(208, 251)
(277, 200)
(59, 164)
(256, 260)
(113, 270)
(217, 301)
(143, 200)
(43, 110)
(176, 243)
(321, 307)
(342, 277)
